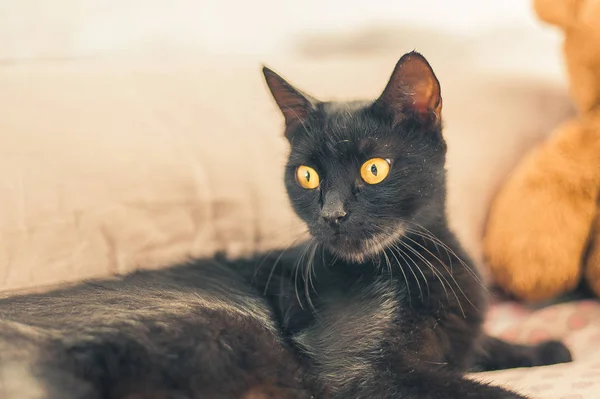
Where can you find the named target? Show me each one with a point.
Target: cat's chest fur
(356, 325)
(349, 328)
(352, 315)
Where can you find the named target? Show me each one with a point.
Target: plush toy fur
(543, 230)
(592, 268)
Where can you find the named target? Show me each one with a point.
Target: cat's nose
(334, 217)
(333, 208)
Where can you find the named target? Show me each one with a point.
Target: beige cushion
(111, 166)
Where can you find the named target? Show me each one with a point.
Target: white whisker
(307, 275)
(436, 272)
(446, 268)
(394, 247)
(405, 278)
(448, 249)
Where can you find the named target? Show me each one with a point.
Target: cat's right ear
(413, 90)
(294, 105)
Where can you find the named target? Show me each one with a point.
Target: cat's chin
(360, 251)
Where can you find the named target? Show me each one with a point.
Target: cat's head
(361, 174)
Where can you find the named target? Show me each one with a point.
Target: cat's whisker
(335, 258)
(313, 273)
(275, 266)
(449, 250)
(307, 275)
(387, 261)
(394, 247)
(296, 268)
(429, 235)
(446, 268)
(366, 238)
(437, 272)
(435, 239)
(268, 255)
(404, 255)
(405, 277)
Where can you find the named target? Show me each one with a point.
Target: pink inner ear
(425, 98)
(413, 87)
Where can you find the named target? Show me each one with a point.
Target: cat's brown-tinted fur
(381, 302)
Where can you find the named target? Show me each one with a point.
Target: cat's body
(197, 331)
(381, 303)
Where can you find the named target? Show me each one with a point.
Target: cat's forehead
(343, 130)
(338, 108)
(347, 122)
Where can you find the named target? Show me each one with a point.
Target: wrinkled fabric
(576, 323)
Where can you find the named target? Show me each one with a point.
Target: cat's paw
(496, 354)
(552, 352)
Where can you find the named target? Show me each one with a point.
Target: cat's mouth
(359, 250)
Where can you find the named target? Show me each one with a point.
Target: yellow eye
(307, 177)
(375, 170)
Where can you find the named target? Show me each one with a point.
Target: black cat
(382, 302)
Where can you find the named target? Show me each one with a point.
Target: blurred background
(504, 33)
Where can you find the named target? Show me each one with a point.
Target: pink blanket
(576, 323)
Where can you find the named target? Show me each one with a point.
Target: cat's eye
(375, 170)
(307, 177)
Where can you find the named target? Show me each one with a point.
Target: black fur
(382, 302)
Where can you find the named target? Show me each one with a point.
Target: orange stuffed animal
(543, 230)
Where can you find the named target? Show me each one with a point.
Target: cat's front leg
(496, 354)
(409, 384)
(427, 385)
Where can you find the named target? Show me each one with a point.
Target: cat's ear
(413, 89)
(294, 105)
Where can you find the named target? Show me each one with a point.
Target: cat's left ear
(413, 89)
(294, 105)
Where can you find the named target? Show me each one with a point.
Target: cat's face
(361, 174)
